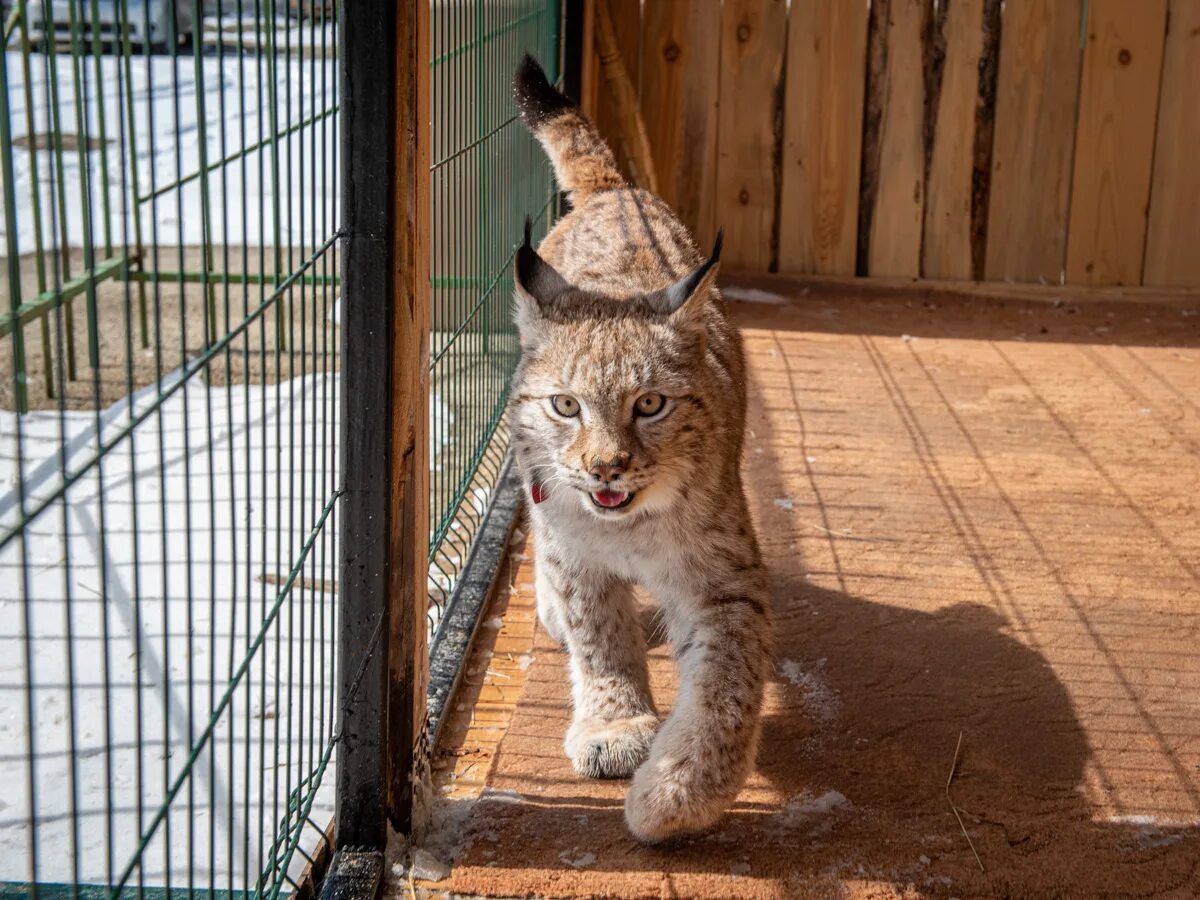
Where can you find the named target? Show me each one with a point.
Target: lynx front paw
(660, 805)
(609, 748)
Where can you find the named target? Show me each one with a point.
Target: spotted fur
(619, 304)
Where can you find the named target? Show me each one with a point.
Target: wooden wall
(947, 139)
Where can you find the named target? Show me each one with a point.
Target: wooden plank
(946, 251)
(621, 106)
(408, 525)
(1114, 141)
(1174, 230)
(680, 65)
(1036, 104)
(823, 109)
(894, 142)
(753, 35)
(626, 17)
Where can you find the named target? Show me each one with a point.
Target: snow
(813, 810)
(165, 102)
(577, 860)
(754, 295)
(819, 699)
(268, 488)
(225, 486)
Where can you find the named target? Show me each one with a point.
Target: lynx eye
(649, 404)
(566, 406)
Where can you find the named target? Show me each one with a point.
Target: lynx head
(612, 398)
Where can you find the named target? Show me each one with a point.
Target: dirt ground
(980, 520)
(123, 363)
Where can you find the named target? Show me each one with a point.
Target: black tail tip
(537, 99)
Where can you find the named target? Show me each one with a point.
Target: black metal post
(368, 71)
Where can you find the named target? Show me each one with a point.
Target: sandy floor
(980, 519)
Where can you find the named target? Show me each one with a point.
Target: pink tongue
(610, 498)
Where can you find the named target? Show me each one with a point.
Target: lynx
(627, 414)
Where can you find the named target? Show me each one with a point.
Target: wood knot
(744, 197)
(671, 51)
(1124, 57)
(743, 32)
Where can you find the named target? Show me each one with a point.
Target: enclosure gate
(199, 421)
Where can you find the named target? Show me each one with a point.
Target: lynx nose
(612, 469)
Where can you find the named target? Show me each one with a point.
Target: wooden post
(408, 536)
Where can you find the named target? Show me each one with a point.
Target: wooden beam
(408, 534)
(619, 116)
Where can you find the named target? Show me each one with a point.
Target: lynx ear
(537, 281)
(538, 285)
(673, 300)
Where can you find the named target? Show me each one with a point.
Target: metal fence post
(384, 391)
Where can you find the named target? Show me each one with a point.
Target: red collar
(537, 491)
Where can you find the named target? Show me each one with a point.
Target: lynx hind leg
(614, 718)
(705, 750)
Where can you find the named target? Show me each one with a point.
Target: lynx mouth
(607, 499)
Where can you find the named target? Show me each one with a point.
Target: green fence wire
(169, 416)
(488, 175)
(168, 434)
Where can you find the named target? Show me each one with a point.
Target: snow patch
(820, 700)
(145, 590)
(579, 862)
(816, 812)
(1150, 832)
(499, 796)
(1133, 820)
(754, 295)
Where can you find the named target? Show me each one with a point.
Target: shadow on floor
(875, 686)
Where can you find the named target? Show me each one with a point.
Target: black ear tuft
(669, 299)
(536, 278)
(537, 100)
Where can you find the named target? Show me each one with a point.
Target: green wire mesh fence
(168, 434)
(488, 174)
(169, 413)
